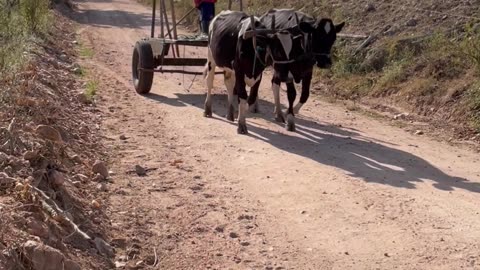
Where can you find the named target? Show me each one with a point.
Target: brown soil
(345, 191)
(48, 136)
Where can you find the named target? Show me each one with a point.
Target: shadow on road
(358, 156)
(110, 18)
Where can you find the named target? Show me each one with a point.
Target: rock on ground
(103, 247)
(101, 168)
(48, 133)
(44, 257)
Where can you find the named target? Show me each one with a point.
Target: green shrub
(91, 89)
(393, 74)
(471, 48)
(20, 20)
(345, 61)
(473, 96)
(36, 14)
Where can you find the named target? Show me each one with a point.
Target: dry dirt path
(344, 192)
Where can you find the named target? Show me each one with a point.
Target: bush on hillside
(20, 20)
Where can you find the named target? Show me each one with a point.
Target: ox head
(324, 33)
(285, 46)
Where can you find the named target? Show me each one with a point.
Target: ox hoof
(208, 111)
(290, 126)
(207, 114)
(242, 128)
(279, 118)
(230, 114)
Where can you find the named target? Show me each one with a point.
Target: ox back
(223, 37)
(285, 18)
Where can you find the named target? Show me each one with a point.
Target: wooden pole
(152, 34)
(186, 15)
(174, 24)
(229, 4)
(162, 33)
(167, 24)
(241, 5)
(355, 36)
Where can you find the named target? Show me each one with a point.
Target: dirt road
(344, 192)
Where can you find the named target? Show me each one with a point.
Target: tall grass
(474, 104)
(471, 47)
(20, 22)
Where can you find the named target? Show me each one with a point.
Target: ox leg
(305, 93)
(276, 96)
(210, 76)
(229, 78)
(254, 107)
(240, 89)
(253, 97)
(242, 115)
(292, 94)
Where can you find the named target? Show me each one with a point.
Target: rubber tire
(142, 58)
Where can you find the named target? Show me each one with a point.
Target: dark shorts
(207, 10)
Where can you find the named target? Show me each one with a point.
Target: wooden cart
(159, 54)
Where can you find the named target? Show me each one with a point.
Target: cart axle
(176, 71)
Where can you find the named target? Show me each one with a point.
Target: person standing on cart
(207, 12)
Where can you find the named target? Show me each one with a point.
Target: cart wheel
(142, 59)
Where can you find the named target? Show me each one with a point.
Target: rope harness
(308, 52)
(307, 55)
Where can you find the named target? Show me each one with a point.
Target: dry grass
(474, 104)
(91, 89)
(21, 22)
(42, 91)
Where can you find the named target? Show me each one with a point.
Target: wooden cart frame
(153, 54)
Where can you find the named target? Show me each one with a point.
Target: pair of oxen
(243, 46)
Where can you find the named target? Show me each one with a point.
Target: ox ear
(306, 27)
(339, 27)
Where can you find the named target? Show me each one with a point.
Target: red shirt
(198, 2)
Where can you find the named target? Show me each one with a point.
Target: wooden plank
(186, 15)
(164, 7)
(365, 44)
(162, 31)
(152, 34)
(351, 36)
(183, 62)
(174, 25)
(193, 42)
(183, 71)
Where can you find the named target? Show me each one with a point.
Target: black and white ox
(318, 37)
(242, 54)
